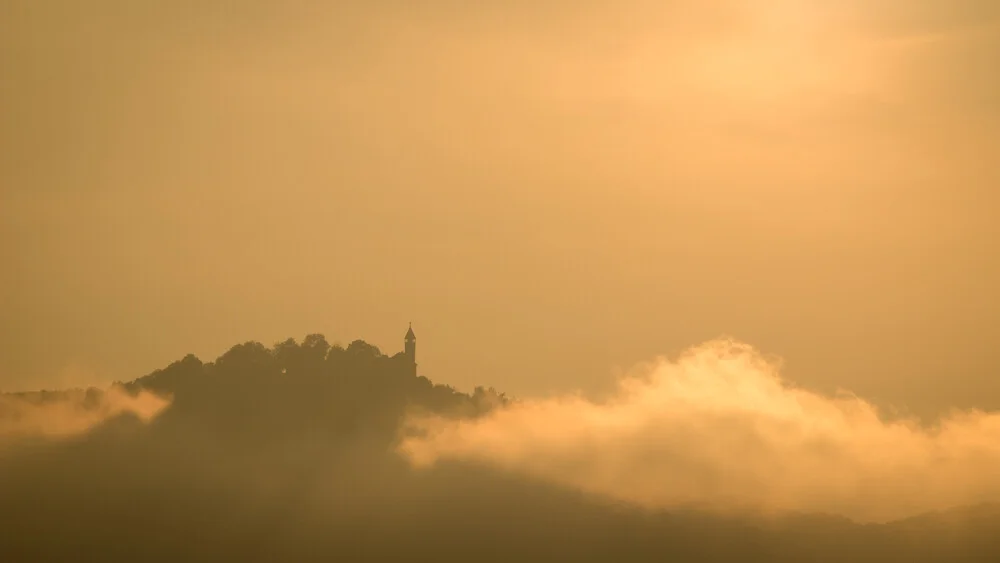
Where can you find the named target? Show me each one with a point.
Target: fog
(718, 428)
(295, 452)
(546, 188)
(67, 413)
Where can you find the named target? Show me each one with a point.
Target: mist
(719, 428)
(546, 189)
(291, 452)
(66, 413)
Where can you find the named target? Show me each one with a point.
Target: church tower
(410, 349)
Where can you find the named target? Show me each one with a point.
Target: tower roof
(409, 333)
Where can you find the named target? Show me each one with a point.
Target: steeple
(410, 348)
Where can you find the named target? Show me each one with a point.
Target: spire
(410, 349)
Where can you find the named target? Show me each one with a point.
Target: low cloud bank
(66, 413)
(719, 429)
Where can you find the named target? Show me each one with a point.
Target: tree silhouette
(286, 454)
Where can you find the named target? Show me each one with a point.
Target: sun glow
(786, 53)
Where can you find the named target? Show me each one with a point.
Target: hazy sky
(548, 190)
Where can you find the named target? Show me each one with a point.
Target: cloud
(66, 413)
(719, 429)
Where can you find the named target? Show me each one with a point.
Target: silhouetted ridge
(285, 453)
(310, 388)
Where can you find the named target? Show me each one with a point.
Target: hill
(285, 453)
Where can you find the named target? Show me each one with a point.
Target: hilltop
(286, 453)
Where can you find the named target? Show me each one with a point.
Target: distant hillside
(285, 453)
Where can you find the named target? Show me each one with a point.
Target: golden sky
(548, 190)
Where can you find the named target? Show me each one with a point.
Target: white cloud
(718, 428)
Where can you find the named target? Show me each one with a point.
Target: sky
(550, 191)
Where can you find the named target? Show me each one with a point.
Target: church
(409, 355)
